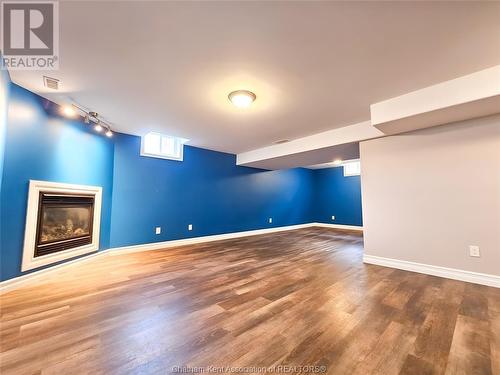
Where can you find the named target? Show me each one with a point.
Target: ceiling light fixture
(69, 111)
(242, 98)
(92, 117)
(337, 162)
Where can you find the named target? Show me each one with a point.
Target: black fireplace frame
(63, 200)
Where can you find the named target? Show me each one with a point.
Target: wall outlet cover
(474, 251)
(190, 227)
(270, 220)
(333, 217)
(158, 230)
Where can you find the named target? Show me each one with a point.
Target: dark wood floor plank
(389, 354)
(416, 366)
(470, 349)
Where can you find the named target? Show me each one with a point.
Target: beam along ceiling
(314, 66)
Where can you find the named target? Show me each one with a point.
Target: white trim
(339, 226)
(35, 187)
(467, 276)
(20, 280)
(449, 273)
(17, 281)
(179, 143)
(196, 240)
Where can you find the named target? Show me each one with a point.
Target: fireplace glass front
(64, 222)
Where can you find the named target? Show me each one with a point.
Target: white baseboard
(17, 281)
(195, 240)
(339, 226)
(225, 236)
(20, 280)
(449, 273)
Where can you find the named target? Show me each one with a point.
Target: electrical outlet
(333, 217)
(270, 220)
(474, 251)
(190, 227)
(158, 230)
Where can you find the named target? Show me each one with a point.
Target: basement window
(156, 145)
(352, 168)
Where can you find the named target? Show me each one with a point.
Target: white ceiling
(314, 66)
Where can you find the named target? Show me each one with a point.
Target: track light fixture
(69, 111)
(89, 117)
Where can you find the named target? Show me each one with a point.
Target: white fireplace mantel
(35, 188)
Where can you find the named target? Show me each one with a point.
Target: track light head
(92, 117)
(69, 111)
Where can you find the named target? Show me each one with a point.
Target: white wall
(429, 194)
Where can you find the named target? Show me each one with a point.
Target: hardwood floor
(298, 298)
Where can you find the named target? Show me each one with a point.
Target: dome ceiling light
(242, 98)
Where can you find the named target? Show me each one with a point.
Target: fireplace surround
(62, 222)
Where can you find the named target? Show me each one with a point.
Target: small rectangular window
(162, 146)
(352, 168)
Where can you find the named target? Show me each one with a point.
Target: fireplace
(62, 222)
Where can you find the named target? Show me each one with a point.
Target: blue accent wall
(41, 145)
(337, 195)
(4, 99)
(207, 190)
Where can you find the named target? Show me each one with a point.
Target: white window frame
(346, 174)
(178, 141)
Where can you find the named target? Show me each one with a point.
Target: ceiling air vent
(51, 83)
